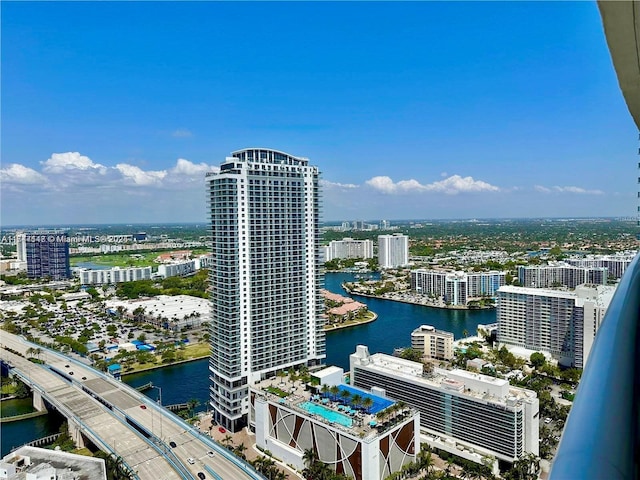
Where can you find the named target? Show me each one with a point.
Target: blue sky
(114, 111)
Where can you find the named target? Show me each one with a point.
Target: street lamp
(159, 403)
(159, 393)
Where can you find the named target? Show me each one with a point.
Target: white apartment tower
(266, 274)
(561, 323)
(393, 250)
(349, 248)
(21, 246)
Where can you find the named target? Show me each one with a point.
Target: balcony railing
(600, 439)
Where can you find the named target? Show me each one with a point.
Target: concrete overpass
(118, 419)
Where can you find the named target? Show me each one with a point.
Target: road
(107, 409)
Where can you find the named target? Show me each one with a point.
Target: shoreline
(341, 326)
(156, 367)
(441, 307)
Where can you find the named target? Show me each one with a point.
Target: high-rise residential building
(21, 246)
(47, 255)
(561, 275)
(349, 248)
(468, 414)
(432, 343)
(393, 250)
(561, 323)
(266, 275)
(616, 264)
(456, 288)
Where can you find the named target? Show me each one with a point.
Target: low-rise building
(113, 275)
(433, 343)
(32, 463)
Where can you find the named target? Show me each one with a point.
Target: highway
(119, 419)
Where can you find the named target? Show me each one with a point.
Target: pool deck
(361, 421)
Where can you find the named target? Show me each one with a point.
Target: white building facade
(349, 248)
(113, 275)
(393, 251)
(561, 323)
(562, 274)
(616, 264)
(266, 275)
(456, 288)
(463, 412)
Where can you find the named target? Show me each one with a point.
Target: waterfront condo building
(456, 288)
(349, 248)
(561, 275)
(47, 255)
(433, 343)
(561, 323)
(265, 275)
(393, 251)
(615, 264)
(468, 414)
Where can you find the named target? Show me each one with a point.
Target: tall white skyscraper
(266, 274)
(21, 246)
(393, 250)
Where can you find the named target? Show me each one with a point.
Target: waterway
(15, 434)
(183, 382)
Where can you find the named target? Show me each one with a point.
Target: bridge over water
(118, 419)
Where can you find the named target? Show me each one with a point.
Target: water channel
(183, 382)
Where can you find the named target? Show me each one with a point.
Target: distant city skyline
(113, 112)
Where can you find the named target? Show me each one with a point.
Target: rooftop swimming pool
(379, 403)
(327, 413)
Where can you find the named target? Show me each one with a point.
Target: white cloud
(328, 184)
(19, 174)
(136, 176)
(567, 189)
(63, 162)
(185, 167)
(451, 186)
(181, 133)
(73, 170)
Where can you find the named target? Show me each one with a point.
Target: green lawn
(125, 259)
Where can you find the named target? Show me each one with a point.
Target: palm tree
(192, 404)
(227, 440)
(239, 450)
(334, 391)
(345, 395)
(324, 390)
(425, 460)
(356, 400)
(367, 403)
(309, 457)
